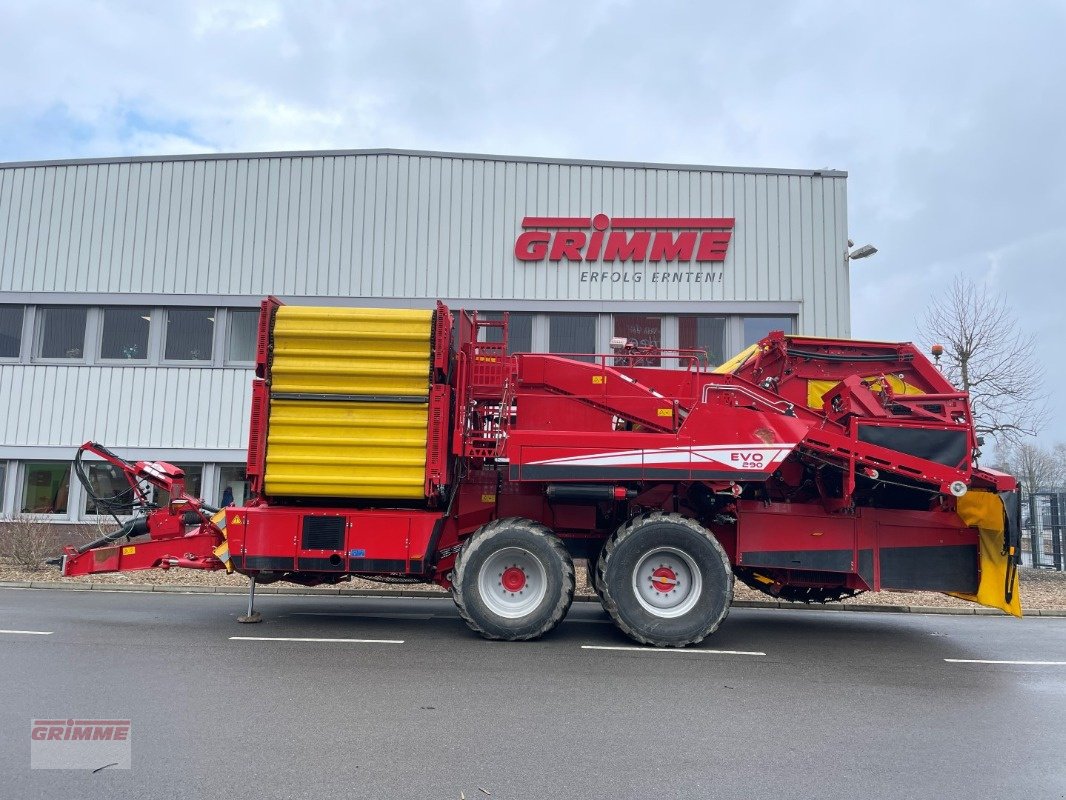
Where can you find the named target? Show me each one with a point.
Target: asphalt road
(840, 704)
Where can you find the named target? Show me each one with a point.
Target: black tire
(701, 572)
(594, 577)
(547, 560)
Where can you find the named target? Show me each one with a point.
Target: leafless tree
(1035, 467)
(986, 355)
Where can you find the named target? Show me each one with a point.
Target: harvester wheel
(594, 577)
(513, 580)
(666, 580)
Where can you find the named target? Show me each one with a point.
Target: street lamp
(859, 252)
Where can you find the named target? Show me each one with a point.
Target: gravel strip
(1042, 590)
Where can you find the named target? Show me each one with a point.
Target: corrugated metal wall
(403, 226)
(138, 407)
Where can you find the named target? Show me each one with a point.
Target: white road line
(985, 661)
(301, 639)
(361, 616)
(673, 650)
(31, 633)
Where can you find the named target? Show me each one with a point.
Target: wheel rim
(512, 582)
(667, 583)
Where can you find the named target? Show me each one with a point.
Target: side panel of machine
(330, 540)
(887, 548)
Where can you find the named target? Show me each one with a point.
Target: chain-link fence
(1044, 530)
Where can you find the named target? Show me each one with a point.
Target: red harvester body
(384, 443)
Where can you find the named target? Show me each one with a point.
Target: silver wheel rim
(501, 588)
(667, 582)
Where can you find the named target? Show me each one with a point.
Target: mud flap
(996, 516)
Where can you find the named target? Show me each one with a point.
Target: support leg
(252, 615)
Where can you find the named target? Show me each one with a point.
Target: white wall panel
(139, 407)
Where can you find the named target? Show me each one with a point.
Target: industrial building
(129, 287)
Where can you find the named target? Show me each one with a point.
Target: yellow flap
(984, 511)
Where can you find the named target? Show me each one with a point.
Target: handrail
(782, 406)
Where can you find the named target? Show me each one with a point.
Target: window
(109, 484)
(242, 334)
(572, 333)
(190, 334)
(62, 332)
(3, 475)
(46, 487)
(519, 330)
(125, 333)
(643, 332)
(233, 487)
(703, 333)
(10, 331)
(755, 328)
(194, 474)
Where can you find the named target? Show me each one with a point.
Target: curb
(333, 591)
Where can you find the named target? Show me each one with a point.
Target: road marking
(985, 661)
(303, 639)
(673, 650)
(358, 615)
(31, 633)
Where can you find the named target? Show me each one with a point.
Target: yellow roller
(352, 446)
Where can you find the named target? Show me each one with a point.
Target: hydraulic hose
(134, 527)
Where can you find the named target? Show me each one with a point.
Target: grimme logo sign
(90, 744)
(624, 238)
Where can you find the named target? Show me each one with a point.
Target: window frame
(228, 333)
(101, 311)
(220, 467)
(74, 500)
(18, 357)
(597, 327)
(82, 512)
(6, 471)
(743, 318)
(727, 333)
(212, 361)
(39, 323)
(185, 466)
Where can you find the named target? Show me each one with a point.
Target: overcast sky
(949, 117)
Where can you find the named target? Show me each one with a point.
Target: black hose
(134, 527)
(831, 357)
(118, 501)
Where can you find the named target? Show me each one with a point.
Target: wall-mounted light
(858, 252)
